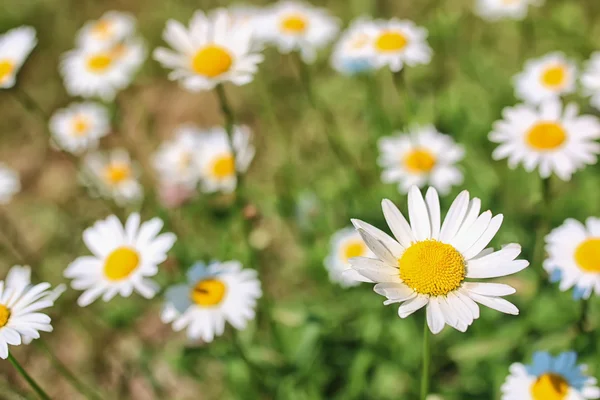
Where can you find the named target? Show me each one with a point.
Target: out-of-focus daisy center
(432, 267)
(208, 292)
(6, 68)
(223, 166)
(546, 136)
(99, 62)
(419, 160)
(117, 172)
(587, 255)
(550, 387)
(510, 2)
(359, 42)
(554, 76)
(294, 23)
(185, 160)
(121, 263)
(4, 315)
(354, 248)
(391, 41)
(211, 61)
(103, 29)
(80, 125)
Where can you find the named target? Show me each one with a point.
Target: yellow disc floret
(419, 161)
(294, 24)
(554, 76)
(546, 136)
(587, 255)
(391, 41)
(208, 292)
(223, 167)
(212, 61)
(121, 263)
(4, 315)
(550, 387)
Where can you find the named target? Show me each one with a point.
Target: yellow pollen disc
(554, 76)
(4, 315)
(116, 173)
(546, 136)
(118, 51)
(354, 248)
(509, 2)
(208, 292)
(295, 23)
(587, 255)
(359, 42)
(223, 166)
(391, 41)
(121, 263)
(550, 387)
(80, 126)
(212, 61)
(102, 29)
(419, 161)
(99, 62)
(6, 68)
(432, 267)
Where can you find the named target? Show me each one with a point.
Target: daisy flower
(345, 244)
(550, 378)
(574, 256)
(397, 43)
(178, 161)
(213, 50)
(78, 127)
(590, 80)
(113, 27)
(214, 294)
(15, 46)
(112, 175)
(245, 15)
(219, 165)
(123, 258)
(298, 26)
(494, 10)
(419, 157)
(351, 53)
(426, 264)
(548, 137)
(550, 76)
(9, 184)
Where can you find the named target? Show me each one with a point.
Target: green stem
(542, 226)
(426, 361)
(40, 392)
(583, 316)
(402, 88)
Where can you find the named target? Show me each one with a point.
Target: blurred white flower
(590, 80)
(551, 138)
(112, 175)
(547, 77)
(213, 295)
(79, 126)
(9, 184)
(178, 161)
(15, 46)
(426, 264)
(111, 28)
(351, 54)
(245, 15)
(174, 195)
(297, 26)
(345, 244)
(494, 10)
(213, 50)
(123, 258)
(421, 156)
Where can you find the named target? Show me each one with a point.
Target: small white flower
(550, 76)
(213, 295)
(298, 26)
(112, 175)
(351, 54)
(178, 161)
(9, 184)
(494, 10)
(219, 164)
(123, 258)
(550, 138)
(213, 50)
(345, 244)
(112, 28)
(421, 156)
(245, 15)
(79, 127)
(590, 80)
(15, 46)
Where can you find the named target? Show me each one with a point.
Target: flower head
(590, 80)
(546, 78)
(345, 244)
(494, 10)
(112, 28)
(351, 53)
(178, 161)
(15, 46)
(9, 184)
(79, 127)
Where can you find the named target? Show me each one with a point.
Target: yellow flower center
(295, 23)
(100, 62)
(116, 173)
(432, 267)
(360, 41)
(554, 76)
(391, 41)
(587, 255)
(546, 136)
(80, 126)
(509, 2)
(4, 315)
(102, 29)
(208, 292)
(118, 51)
(550, 387)
(223, 166)
(6, 68)
(212, 61)
(354, 248)
(419, 161)
(121, 263)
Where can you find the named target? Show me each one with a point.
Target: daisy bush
(300, 199)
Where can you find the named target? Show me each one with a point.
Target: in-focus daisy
(9, 184)
(590, 80)
(78, 127)
(219, 166)
(550, 378)
(15, 46)
(493, 10)
(351, 54)
(574, 256)
(548, 137)
(213, 50)
(427, 263)
(123, 258)
(112, 175)
(298, 26)
(178, 161)
(421, 156)
(397, 43)
(345, 244)
(113, 27)
(550, 76)
(213, 295)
